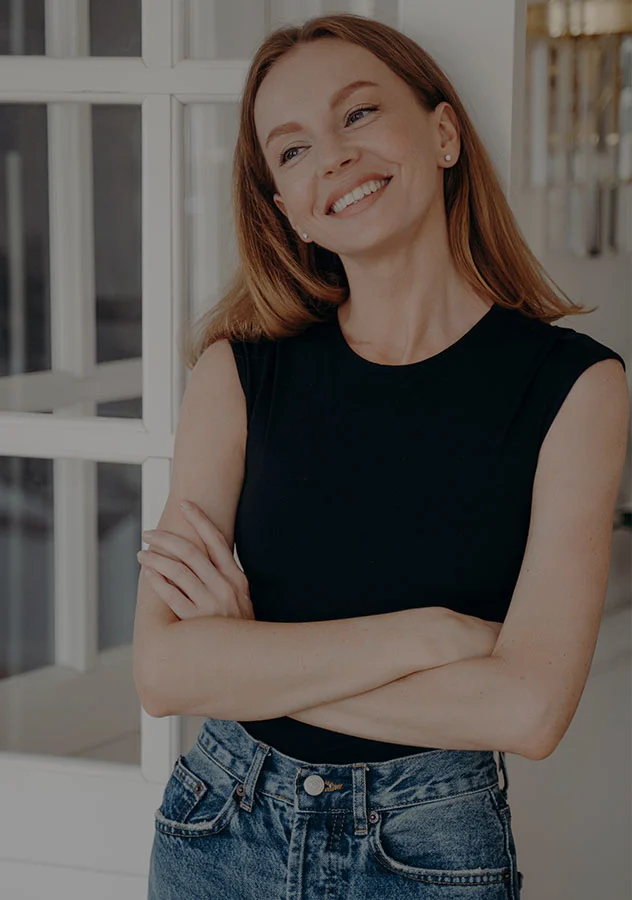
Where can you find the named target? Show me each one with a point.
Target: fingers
(177, 602)
(245, 604)
(180, 549)
(179, 574)
(185, 565)
(220, 553)
(217, 574)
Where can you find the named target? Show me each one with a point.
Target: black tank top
(370, 488)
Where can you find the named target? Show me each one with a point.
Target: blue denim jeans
(240, 820)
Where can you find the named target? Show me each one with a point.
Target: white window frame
(161, 82)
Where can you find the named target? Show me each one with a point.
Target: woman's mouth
(359, 205)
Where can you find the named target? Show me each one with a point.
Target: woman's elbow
(148, 695)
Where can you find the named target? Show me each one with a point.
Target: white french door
(117, 128)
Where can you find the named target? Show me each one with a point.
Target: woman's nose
(335, 155)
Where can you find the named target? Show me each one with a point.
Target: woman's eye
(284, 156)
(362, 109)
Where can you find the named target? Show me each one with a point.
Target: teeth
(369, 187)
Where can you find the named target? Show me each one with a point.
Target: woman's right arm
(242, 668)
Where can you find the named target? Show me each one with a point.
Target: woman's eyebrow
(339, 97)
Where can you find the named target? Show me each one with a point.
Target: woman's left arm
(523, 697)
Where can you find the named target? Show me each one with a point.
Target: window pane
(69, 534)
(92, 158)
(116, 138)
(216, 29)
(24, 251)
(113, 28)
(22, 28)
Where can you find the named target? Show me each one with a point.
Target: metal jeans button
(314, 785)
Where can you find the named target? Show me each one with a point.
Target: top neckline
(476, 331)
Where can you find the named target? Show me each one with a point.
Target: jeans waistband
(361, 787)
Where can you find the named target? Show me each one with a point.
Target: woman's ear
(448, 136)
(282, 207)
(280, 204)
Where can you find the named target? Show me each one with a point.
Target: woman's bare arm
(471, 704)
(232, 668)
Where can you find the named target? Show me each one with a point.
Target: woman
(419, 471)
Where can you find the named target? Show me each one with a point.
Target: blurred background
(117, 126)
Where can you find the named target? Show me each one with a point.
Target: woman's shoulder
(558, 346)
(577, 348)
(566, 353)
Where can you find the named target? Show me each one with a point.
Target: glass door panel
(114, 27)
(70, 259)
(69, 535)
(215, 29)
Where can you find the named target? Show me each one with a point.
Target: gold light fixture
(577, 18)
(579, 122)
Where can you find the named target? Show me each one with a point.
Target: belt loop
(359, 798)
(248, 789)
(503, 767)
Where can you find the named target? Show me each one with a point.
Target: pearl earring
(447, 157)
(304, 236)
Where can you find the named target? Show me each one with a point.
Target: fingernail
(148, 533)
(186, 505)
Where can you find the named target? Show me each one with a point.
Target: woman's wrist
(438, 636)
(433, 637)
(466, 637)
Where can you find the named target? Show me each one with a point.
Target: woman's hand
(191, 582)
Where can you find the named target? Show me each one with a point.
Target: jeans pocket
(457, 840)
(199, 799)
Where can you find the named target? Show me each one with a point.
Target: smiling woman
(357, 195)
(418, 471)
(377, 106)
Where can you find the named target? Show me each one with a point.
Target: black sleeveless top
(371, 488)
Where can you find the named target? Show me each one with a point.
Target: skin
(404, 288)
(522, 697)
(406, 300)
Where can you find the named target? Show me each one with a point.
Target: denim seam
(283, 799)
(501, 875)
(433, 800)
(500, 810)
(188, 779)
(290, 802)
(217, 763)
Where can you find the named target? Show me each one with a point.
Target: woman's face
(376, 131)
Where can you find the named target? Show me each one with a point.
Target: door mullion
(158, 19)
(157, 266)
(73, 343)
(67, 24)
